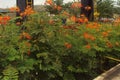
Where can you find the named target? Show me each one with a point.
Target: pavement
(112, 74)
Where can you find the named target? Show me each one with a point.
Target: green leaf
(10, 73)
(44, 54)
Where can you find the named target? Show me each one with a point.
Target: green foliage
(106, 8)
(10, 73)
(56, 52)
(58, 2)
(53, 8)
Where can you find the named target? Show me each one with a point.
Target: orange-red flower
(93, 26)
(68, 45)
(28, 11)
(18, 23)
(73, 18)
(51, 21)
(50, 2)
(1, 18)
(109, 44)
(59, 8)
(88, 36)
(26, 35)
(85, 20)
(88, 46)
(76, 5)
(87, 8)
(105, 34)
(82, 20)
(4, 19)
(65, 13)
(13, 9)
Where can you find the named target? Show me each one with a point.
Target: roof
(112, 74)
(4, 10)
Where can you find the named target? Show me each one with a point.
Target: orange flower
(66, 13)
(76, 5)
(50, 2)
(13, 9)
(88, 46)
(22, 14)
(59, 8)
(82, 19)
(68, 45)
(88, 36)
(28, 11)
(109, 44)
(117, 21)
(87, 8)
(105, 34)
(85, 20)
(26, 35)
(4, 20)
(18, 23)
(93, 25)
(1, 18)
(17, 9)
(73, 18)
(51, 21)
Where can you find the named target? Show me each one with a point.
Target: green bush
(41, 50)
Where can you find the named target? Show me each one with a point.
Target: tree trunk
(88, 13)
(22, 4)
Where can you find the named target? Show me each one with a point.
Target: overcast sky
(10, 3)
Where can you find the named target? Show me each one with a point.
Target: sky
(11, 3)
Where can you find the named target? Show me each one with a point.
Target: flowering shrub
(42, 47)
(51, 50)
